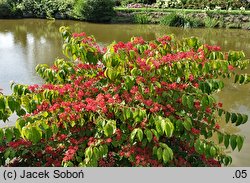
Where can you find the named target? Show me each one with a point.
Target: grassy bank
(184, 17)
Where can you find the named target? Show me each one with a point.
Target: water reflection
(26, 43)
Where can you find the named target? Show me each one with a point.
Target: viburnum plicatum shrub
(129, 104)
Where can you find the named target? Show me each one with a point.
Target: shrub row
(90, 10)
(37, 8)
(190, 4)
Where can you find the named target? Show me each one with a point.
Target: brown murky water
(28, 42)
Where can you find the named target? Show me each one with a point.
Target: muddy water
(28, 42)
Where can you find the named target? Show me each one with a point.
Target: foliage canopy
(130, 104)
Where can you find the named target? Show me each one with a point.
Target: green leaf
(106, 150)
(170, 152)
(163, 145)
(190, 102)
(239, 119)
(88, 152)
(140, 134)
(159, 127)
(204, 102)
(236, 79)
(11, 103)
(16, 133)
(110, 73)
(226, 140)
(228, 115)
(20, 123)
(184, 100)
(8, 134)
(101, 150)
(108, 130)
(21, 112)
(187, 124)
(245, 118)
(242, 79)
(233, 118)
(134, 71)
(227, 160)
(96, 152)
(2, 103)
(78, 159)
(165, 156)
(45, 114)
(128, 113)
(148, 134)
(54, 129)
(144, 143)
(211, 100)
(239, 141)
(91, 58)
(220, 137)
(193, 42)
(233, 142)
(159, 153)
(45, 125)
(1, 135)
(7, 153)
(197, 147)
(155, 148)
(207, 88)
(212, 151)
(168, 129)
(157, 135)
(220, 112)
(36, 134)
(133, 133)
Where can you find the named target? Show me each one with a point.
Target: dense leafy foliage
(5, 9)
(130, 104)
(9, 9)
(47, 8)
(37, 8)
(95, 10)
(180, 20)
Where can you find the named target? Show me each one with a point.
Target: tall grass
(211, 22)
(141, 19)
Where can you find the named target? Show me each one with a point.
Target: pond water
(25, 43)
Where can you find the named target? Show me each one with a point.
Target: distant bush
(194, 22)
(9, 8)
(180, 20)
(47, 8)
(32, 8)
(95, 10)
(168, 4)
(172, 19)
(5, 9)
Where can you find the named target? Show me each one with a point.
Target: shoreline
(233, 19)
(194, 18)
